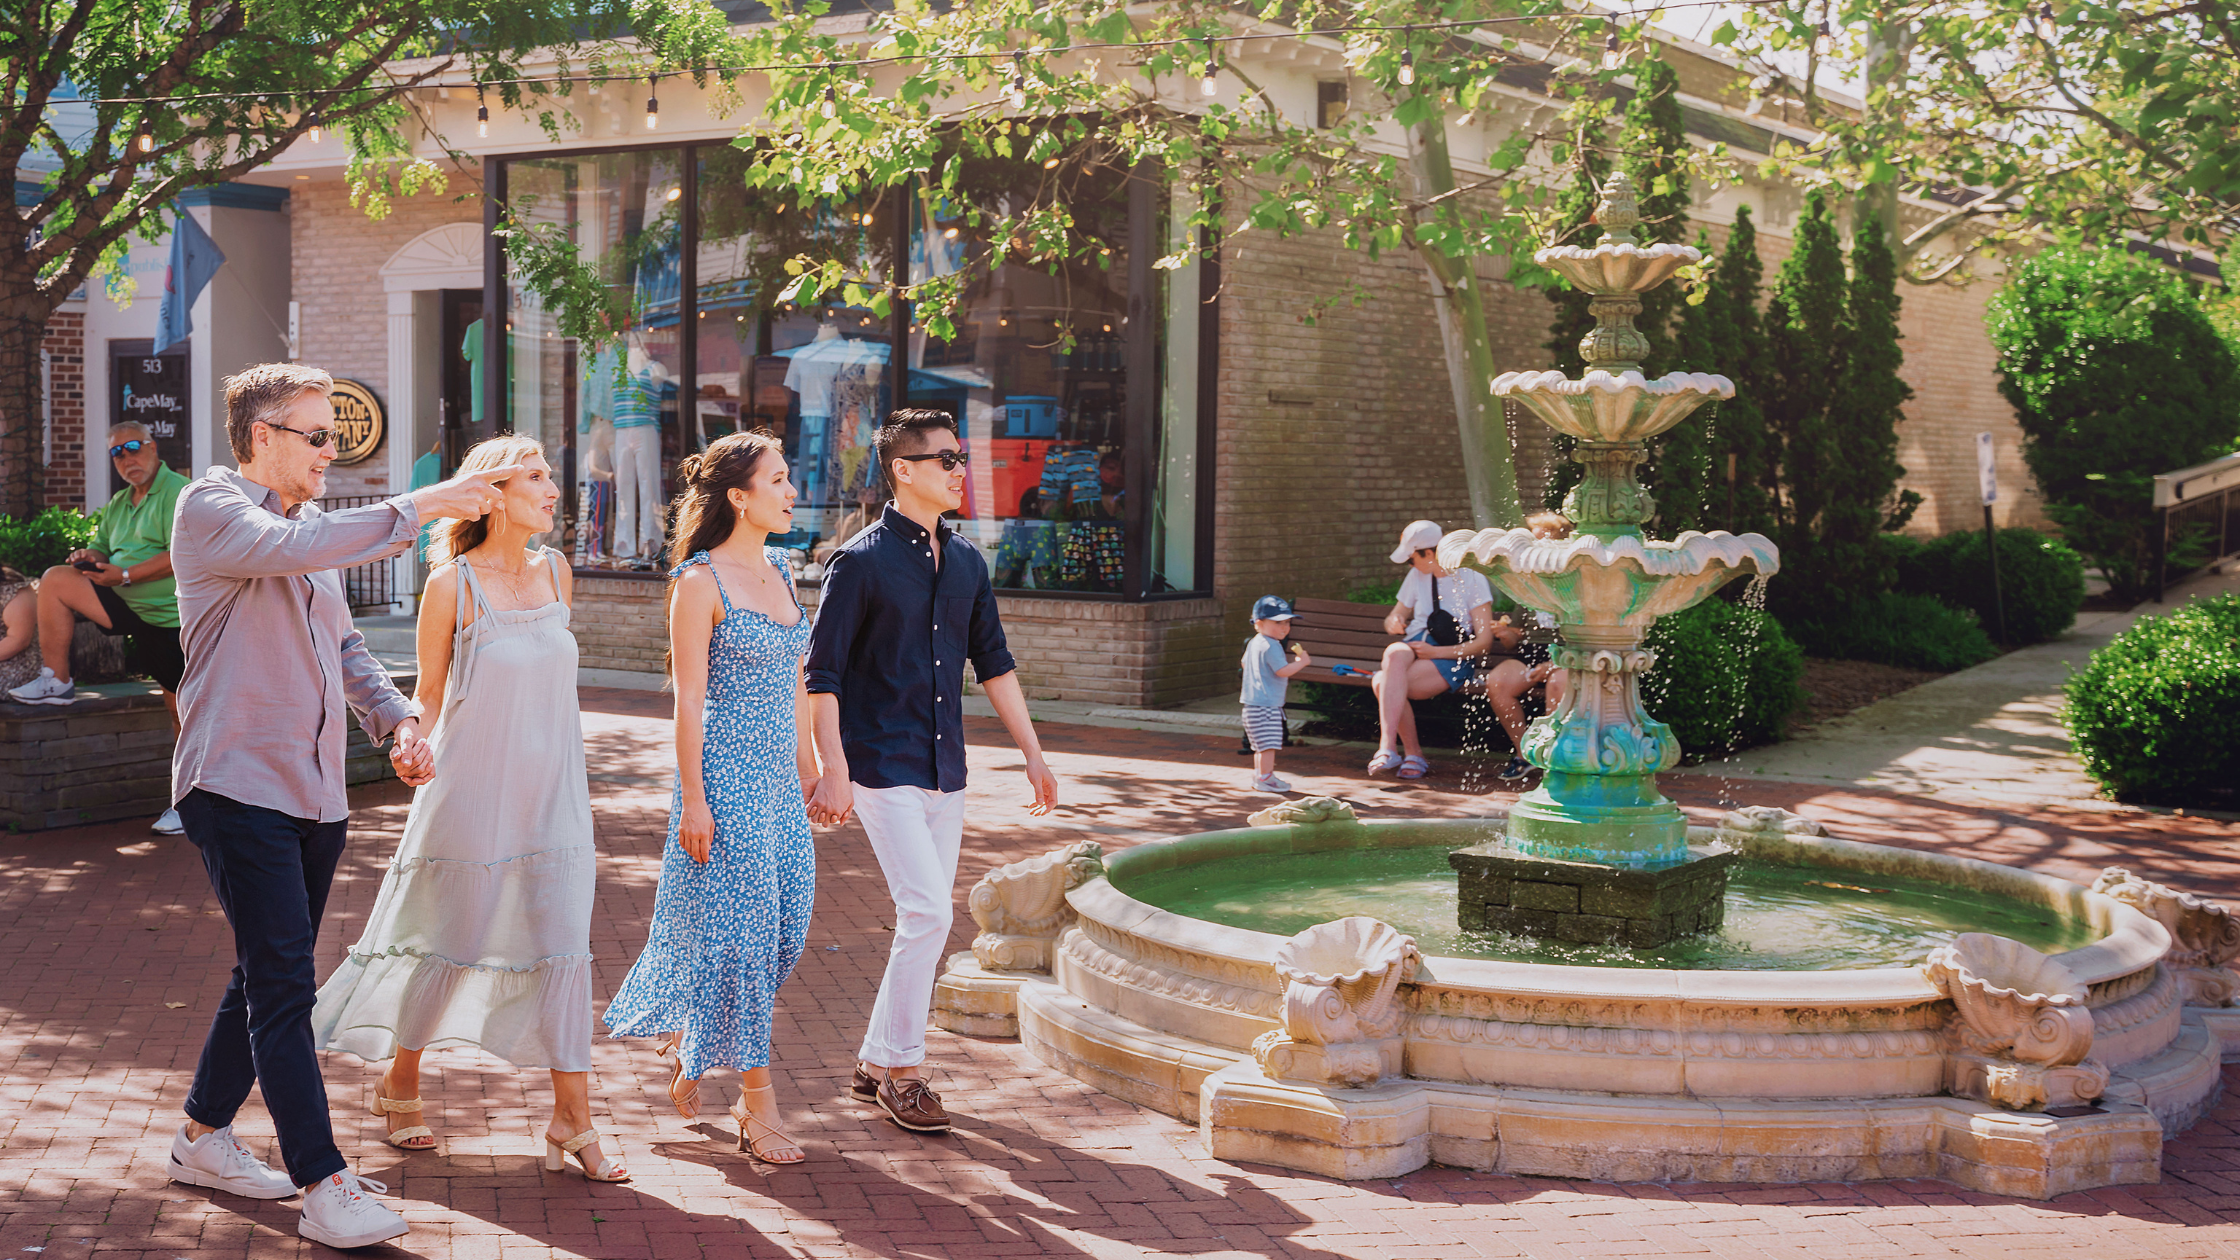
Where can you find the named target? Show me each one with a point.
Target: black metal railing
(2199, 511)
(368, 585)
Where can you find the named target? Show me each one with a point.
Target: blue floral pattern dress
(726, 933)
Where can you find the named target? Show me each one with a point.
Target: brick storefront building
(1220, 448)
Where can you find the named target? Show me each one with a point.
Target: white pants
(637, 489)
(915, 833)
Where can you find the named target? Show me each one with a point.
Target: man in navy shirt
(905, 604)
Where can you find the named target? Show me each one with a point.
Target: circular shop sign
(358, 420)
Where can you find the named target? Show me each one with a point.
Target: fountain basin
(1617, 267)
(1626, 581)
(1612, 407)
(1603, 1072)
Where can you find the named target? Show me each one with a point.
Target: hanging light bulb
(653, 101)
(146, 140)
(1613, 50)
(2047, 30)
(1823, 40)
(831, 101)
(313, 117)
(481, 113)
(1407, 67)
(1207, 84)
(1018, 80)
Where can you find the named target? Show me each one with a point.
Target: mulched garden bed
(1834, 688)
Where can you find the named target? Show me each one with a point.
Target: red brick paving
(104, 929)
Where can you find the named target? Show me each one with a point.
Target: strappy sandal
(1413, 767)
(1385, 762)
(684, 1094)
(556, 1157)
(750, 1142)
(409, 1137)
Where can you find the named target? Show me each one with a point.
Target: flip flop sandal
(408, 1138)
(1385, 762)
(1412, 768)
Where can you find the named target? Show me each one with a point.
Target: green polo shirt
(129, 533)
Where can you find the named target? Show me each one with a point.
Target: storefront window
(1059, 419)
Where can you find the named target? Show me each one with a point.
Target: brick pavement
(113, 952)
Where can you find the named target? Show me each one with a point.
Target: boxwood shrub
(2155, 715)
(1893, 628)
(34, 546)
(2041, 581)
(1726, 677)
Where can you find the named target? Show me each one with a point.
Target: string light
(1207, 84)
(1613, 50)
(1824, 40)
(2047, 30)
(831, 101)
(481, 113)
(313, 117)
(1407, 67)
(146, 140)
(653, 101)
(1018, 80)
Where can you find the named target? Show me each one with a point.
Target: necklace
(515, 584)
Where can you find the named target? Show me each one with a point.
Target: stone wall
(64, 481)
(337, 257)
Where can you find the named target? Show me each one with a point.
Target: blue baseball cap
(1273, 608)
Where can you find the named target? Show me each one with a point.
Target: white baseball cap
(1418, 535)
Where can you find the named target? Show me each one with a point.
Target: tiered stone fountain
(1347, 1050)
(1596, 853)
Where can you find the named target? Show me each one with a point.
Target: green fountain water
(1779, 918)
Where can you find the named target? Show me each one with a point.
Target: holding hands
(413, 757)
(832, 801)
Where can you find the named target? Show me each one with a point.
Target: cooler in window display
(1031, 416)
(1015, 468)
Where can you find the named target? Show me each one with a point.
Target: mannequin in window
(596, 487)
(638, 520)
(810, 373)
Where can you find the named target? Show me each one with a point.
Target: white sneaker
(1270, 783)
(169, 824)
(218, 1161)
(338, 1213)
(45, 689)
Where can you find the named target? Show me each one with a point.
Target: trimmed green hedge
(2155, 715)
(1915, 631)
(2041, 580)
(1726, 677)
(34, 546)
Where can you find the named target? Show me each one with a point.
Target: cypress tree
(1572, 321)
(1655, 141)
(1721, 334)
(1806, 343)
(1863, 500)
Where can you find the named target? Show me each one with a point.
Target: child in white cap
(1267, 678)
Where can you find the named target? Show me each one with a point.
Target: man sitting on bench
(1434, 657)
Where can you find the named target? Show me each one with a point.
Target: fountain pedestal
(1591, 903)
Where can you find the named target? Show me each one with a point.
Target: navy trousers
(271, 873)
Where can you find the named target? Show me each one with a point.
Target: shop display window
(1086, 463)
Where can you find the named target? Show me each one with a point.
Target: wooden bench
(1337, 632)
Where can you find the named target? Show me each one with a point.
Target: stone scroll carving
(2020, 1025)
(1306, 810)
(1769, 820)
(1341, 1003)
(2204, 936)
(1022, 907)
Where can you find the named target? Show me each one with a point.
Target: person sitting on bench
(1433, 658)
(1508, 682)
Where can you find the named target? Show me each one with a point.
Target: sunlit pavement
(112, 953)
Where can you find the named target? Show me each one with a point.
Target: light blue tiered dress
(726, 933)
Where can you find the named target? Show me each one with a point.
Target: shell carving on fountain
(1022, 907)
(2021, 1024)
(1617, 268)
(1304, 812)
(1341, 1002)
(1606, 407)
(2204, 936)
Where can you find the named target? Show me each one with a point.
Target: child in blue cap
(1267, 676)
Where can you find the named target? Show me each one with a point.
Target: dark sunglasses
(317, 437)
(950, 460)
(1427, 551)
(122, 449)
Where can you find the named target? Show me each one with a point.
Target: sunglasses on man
(317, 437)
(950, 460)
(133, 447)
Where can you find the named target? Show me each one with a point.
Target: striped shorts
(1263, 725)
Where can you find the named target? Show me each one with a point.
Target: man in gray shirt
(272, 661)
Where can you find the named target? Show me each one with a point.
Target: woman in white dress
(481, 935)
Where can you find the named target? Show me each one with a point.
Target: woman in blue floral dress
(738, 875)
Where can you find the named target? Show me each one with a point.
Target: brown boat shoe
(911, 1103)
(864, 1087)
